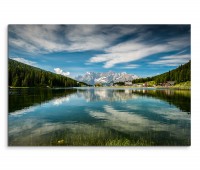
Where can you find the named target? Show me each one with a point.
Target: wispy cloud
(100, 46)
(55, 38)
(25, 61)
(61, 72)
(35, 38)
(131, 66)
(173, 60)
(134, 50)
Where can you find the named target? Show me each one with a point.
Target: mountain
(105, 78)
(23, 75)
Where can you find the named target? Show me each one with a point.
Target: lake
(99, 117)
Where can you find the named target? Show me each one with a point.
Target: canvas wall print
(99, 85)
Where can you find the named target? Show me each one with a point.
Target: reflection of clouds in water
(171, 113)
(76, 128)
(20, 127)
(60, 100)
(39, 133)
(34, 127)
(125, 121)
(165, 110)
(121, 121)
(23, 111)
(131, 122)
(56, 102)
(129, 119)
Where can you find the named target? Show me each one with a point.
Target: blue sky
(71, 50)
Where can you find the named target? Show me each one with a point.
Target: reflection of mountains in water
(179, 98)
(106, 94)
(21, 98)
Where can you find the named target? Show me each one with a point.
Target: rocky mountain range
(106, 77)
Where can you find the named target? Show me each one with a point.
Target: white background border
(100, 12)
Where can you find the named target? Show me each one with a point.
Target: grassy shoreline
(181, 86)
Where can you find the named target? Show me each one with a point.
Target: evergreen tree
(27, 76)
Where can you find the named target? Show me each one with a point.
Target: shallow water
(98, 116)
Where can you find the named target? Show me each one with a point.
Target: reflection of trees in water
(21, 98)
(107, 94)
(179, 98)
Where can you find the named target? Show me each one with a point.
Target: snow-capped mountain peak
(106, 77)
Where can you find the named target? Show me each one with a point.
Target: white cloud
(36, 38)
(61, 72)
(22, 60)
(94, 37)
(135, 50)
(131, 66)
(174, 57)
(54, 38)
(173, 60)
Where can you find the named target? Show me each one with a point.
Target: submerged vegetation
(94, 136)
(64, 138)
(66, 118)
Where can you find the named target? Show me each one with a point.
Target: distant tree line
(180, 74)
(22, 75)
(119, 83)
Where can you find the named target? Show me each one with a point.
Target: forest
(180, 74)
(23, 75)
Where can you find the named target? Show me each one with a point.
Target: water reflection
(129, 122)
(103, 94)
(21, 98)
(179, 98)
(99, 116)
(23, 111)
(60, 100)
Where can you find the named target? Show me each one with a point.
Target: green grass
(107, 138)
(183, 85)
(151, 83)
(81, 141)
(82, 135)
(127, 142)
(95, 137)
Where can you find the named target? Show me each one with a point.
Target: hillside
(179, 75)
(23, 75)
